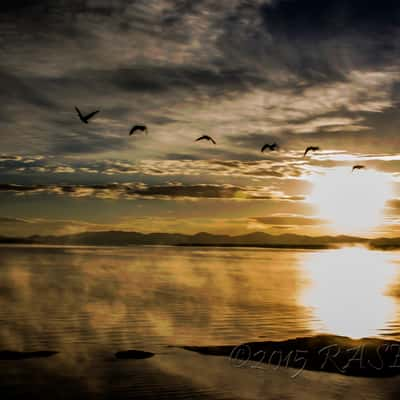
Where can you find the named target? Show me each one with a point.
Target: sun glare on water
(347, 291)
(352, 202)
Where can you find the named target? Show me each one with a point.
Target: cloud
(245, 72)
(16, 89)
(267, 168)
(289, 220)
(173, 191)
(275, 168)
(246, 67)
(156, 79)
(393, 208)
(4, 187)
(7, 220)
(312, 19)
(4, 158)
(278, 165)
(325, 39)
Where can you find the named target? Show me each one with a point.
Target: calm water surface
(88, 302)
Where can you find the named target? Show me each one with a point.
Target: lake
(89, 302)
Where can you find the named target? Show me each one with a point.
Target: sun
(351, 202)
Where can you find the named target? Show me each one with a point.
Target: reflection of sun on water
(347, 291)
(351, 202)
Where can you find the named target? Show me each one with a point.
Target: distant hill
(385, 243)
(123, 238)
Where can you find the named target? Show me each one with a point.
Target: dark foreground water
(89, 303)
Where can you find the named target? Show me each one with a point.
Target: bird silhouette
(206, 137)
(357, 167)
(310, 148)
(141, 128)
(85, 118)
(271, 147)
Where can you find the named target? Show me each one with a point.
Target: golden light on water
(346, 291)
(352, 202)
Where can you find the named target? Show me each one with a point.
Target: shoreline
(228, 245)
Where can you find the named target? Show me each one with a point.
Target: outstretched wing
(212, 140)
(264, 147)
(133, 129)
(138, 128)
(200, 138)
(87, 117)
(78, 111)
(311, 148)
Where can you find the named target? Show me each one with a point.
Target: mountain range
(256, 239)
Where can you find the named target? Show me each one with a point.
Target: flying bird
(310, 148)
(357, 167)
(271, 147)
(141, 128)
(85, 118)
(206, 137)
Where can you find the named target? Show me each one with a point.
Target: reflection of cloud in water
(146, 296)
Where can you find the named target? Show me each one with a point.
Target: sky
(294, 72)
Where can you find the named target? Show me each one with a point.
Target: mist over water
(90, 302)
